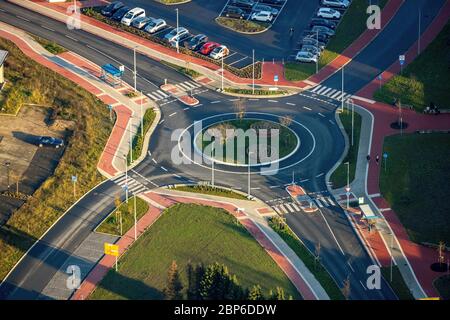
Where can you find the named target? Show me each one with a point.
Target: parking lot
(198, 16)
(28, 163)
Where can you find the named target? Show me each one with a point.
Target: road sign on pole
(401, 59)
(111, 250)
(385, 156)
(74, 181)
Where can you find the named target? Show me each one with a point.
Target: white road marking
(320, 174)
(172, 114)
(25, 19)
(290, 103)
(161, 121)
(164, 169)
(154, 161)
(321, 115)
(275, 101)
(71, 38)
(307, 108)
(214, 102)
(47, 28)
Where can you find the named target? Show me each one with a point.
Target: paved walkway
(250, 218)
(208, 69)
(86, 74)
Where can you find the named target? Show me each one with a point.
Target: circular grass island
(231, 141)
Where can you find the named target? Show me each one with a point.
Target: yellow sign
(111, 249)
(430, 298)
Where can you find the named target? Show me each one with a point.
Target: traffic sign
(347, 189)
(111, 249)
(275, 78)
(380, 76)
(74, 178)
(110, 107)
(385, 155)
(401, 58)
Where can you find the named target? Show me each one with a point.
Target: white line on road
(140, 175)
(290, 103)
(161, 121)
(172, 114)
(321, 115)
(271, 187)
(47, 28)
(23, 18)
(71, 38)
(273, 101)
(154, 161)
(164, 169)
(332, 233)
(350, 266)
(362, 285)
(253, 99)
(320, 174)
(176, 176)
(214, 102)
(307, 108)
(187, 108)
(331, 121)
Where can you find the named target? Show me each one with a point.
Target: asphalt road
(342, 253)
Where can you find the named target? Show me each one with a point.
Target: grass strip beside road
(84, 145)
(50, 46)
(138, 140)
(189, 72)
(111, 224)
(242, 25)
(258, 92)
(196, 234)
(339, 176)
(352, 25)
(415, 182)
(214, 191)
(397, 284)
(319, 272)
(425, 80)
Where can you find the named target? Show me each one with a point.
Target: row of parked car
(322, 28)
(137, 18)
(262, 10)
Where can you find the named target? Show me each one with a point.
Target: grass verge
(197, 234)
(138, 140)
(214, 191)
(425, 80)
(37, 84)
(415, 182)
(242, 25)
(339, 176)
(397, 284)
(352, 25)
(50, 46)
(189, 72)
(258, 92)
(442, 285)
(124, 212)
(321, 274)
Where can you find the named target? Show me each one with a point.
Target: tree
(255, 293)
(286, 120)
(218, 284)
(172, 291)
(194, 276)
(239, 108)
(277, 294)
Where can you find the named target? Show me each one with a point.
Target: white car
(328, 13)
(132, 15)
(219, 52)
(155, 25)
(305, 56)
(264, 16)
(336, 3)
(176, 34)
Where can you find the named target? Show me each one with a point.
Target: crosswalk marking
(158, 95)
(134, 186)
(330, 92)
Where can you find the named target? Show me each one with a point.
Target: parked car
(322, 22)
(305, 56)
(323, 30)
(277, 2)
(234, 12)
(219, 52)
(311, 48)
(336, 3)
(179, 39)
(140, 22)
(313, 42)
(328, 13)
(316, 36)
(262, 7)
(50, 142)
(243, 3)
(155, 25)
(196, 42)
(176, 33)
(132, 15)
(118, 15)
(208, 47)
(263, 16)
(109, 10)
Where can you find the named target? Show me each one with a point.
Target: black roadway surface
(341, 252)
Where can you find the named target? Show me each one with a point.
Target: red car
(208, 47)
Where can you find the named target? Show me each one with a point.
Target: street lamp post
(317, 46)
(134, 70)
(348, 184)
(131, 141)
(253, 81)
(222, 74)
(350, 102)
(126, 178)
(135, 220)
(342, 86)
(142, 116)
(213, 151)
(7, 165)
(178, 47)
(248, 173)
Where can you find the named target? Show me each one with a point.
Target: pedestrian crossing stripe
(157, 95)
(330, 92)
(133, 185)
(187, 85)
(292, 207)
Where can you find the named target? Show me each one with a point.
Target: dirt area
(29, 164)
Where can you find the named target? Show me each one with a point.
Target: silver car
(155, 25)
(336, 3)
(305, 56)
(309, 48)
(323, 30)
(140, 22)
(263, 7)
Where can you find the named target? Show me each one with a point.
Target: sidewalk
(250, 218)
(206, 68)
(86, 74)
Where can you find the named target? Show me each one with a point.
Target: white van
(131, 15)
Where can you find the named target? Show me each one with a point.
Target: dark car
(320, 36)
(243, 3)
(313, 42)
(278, 2)
(196, 42)
(109, 10)
(50, 141)
(322, 22)
(234, 12)
(118, 15)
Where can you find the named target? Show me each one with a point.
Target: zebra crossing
(330, 92)
(159, 95)
(134, 186)
(292, 207)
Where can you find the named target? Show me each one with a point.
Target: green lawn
(33, 83)
(352, 25)
(197, 234)
(308, 259)
(339, 176)
(215, 191)
(442, 284)
(416, 184)
(398, 284)
(111, 224)
(425, 80)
